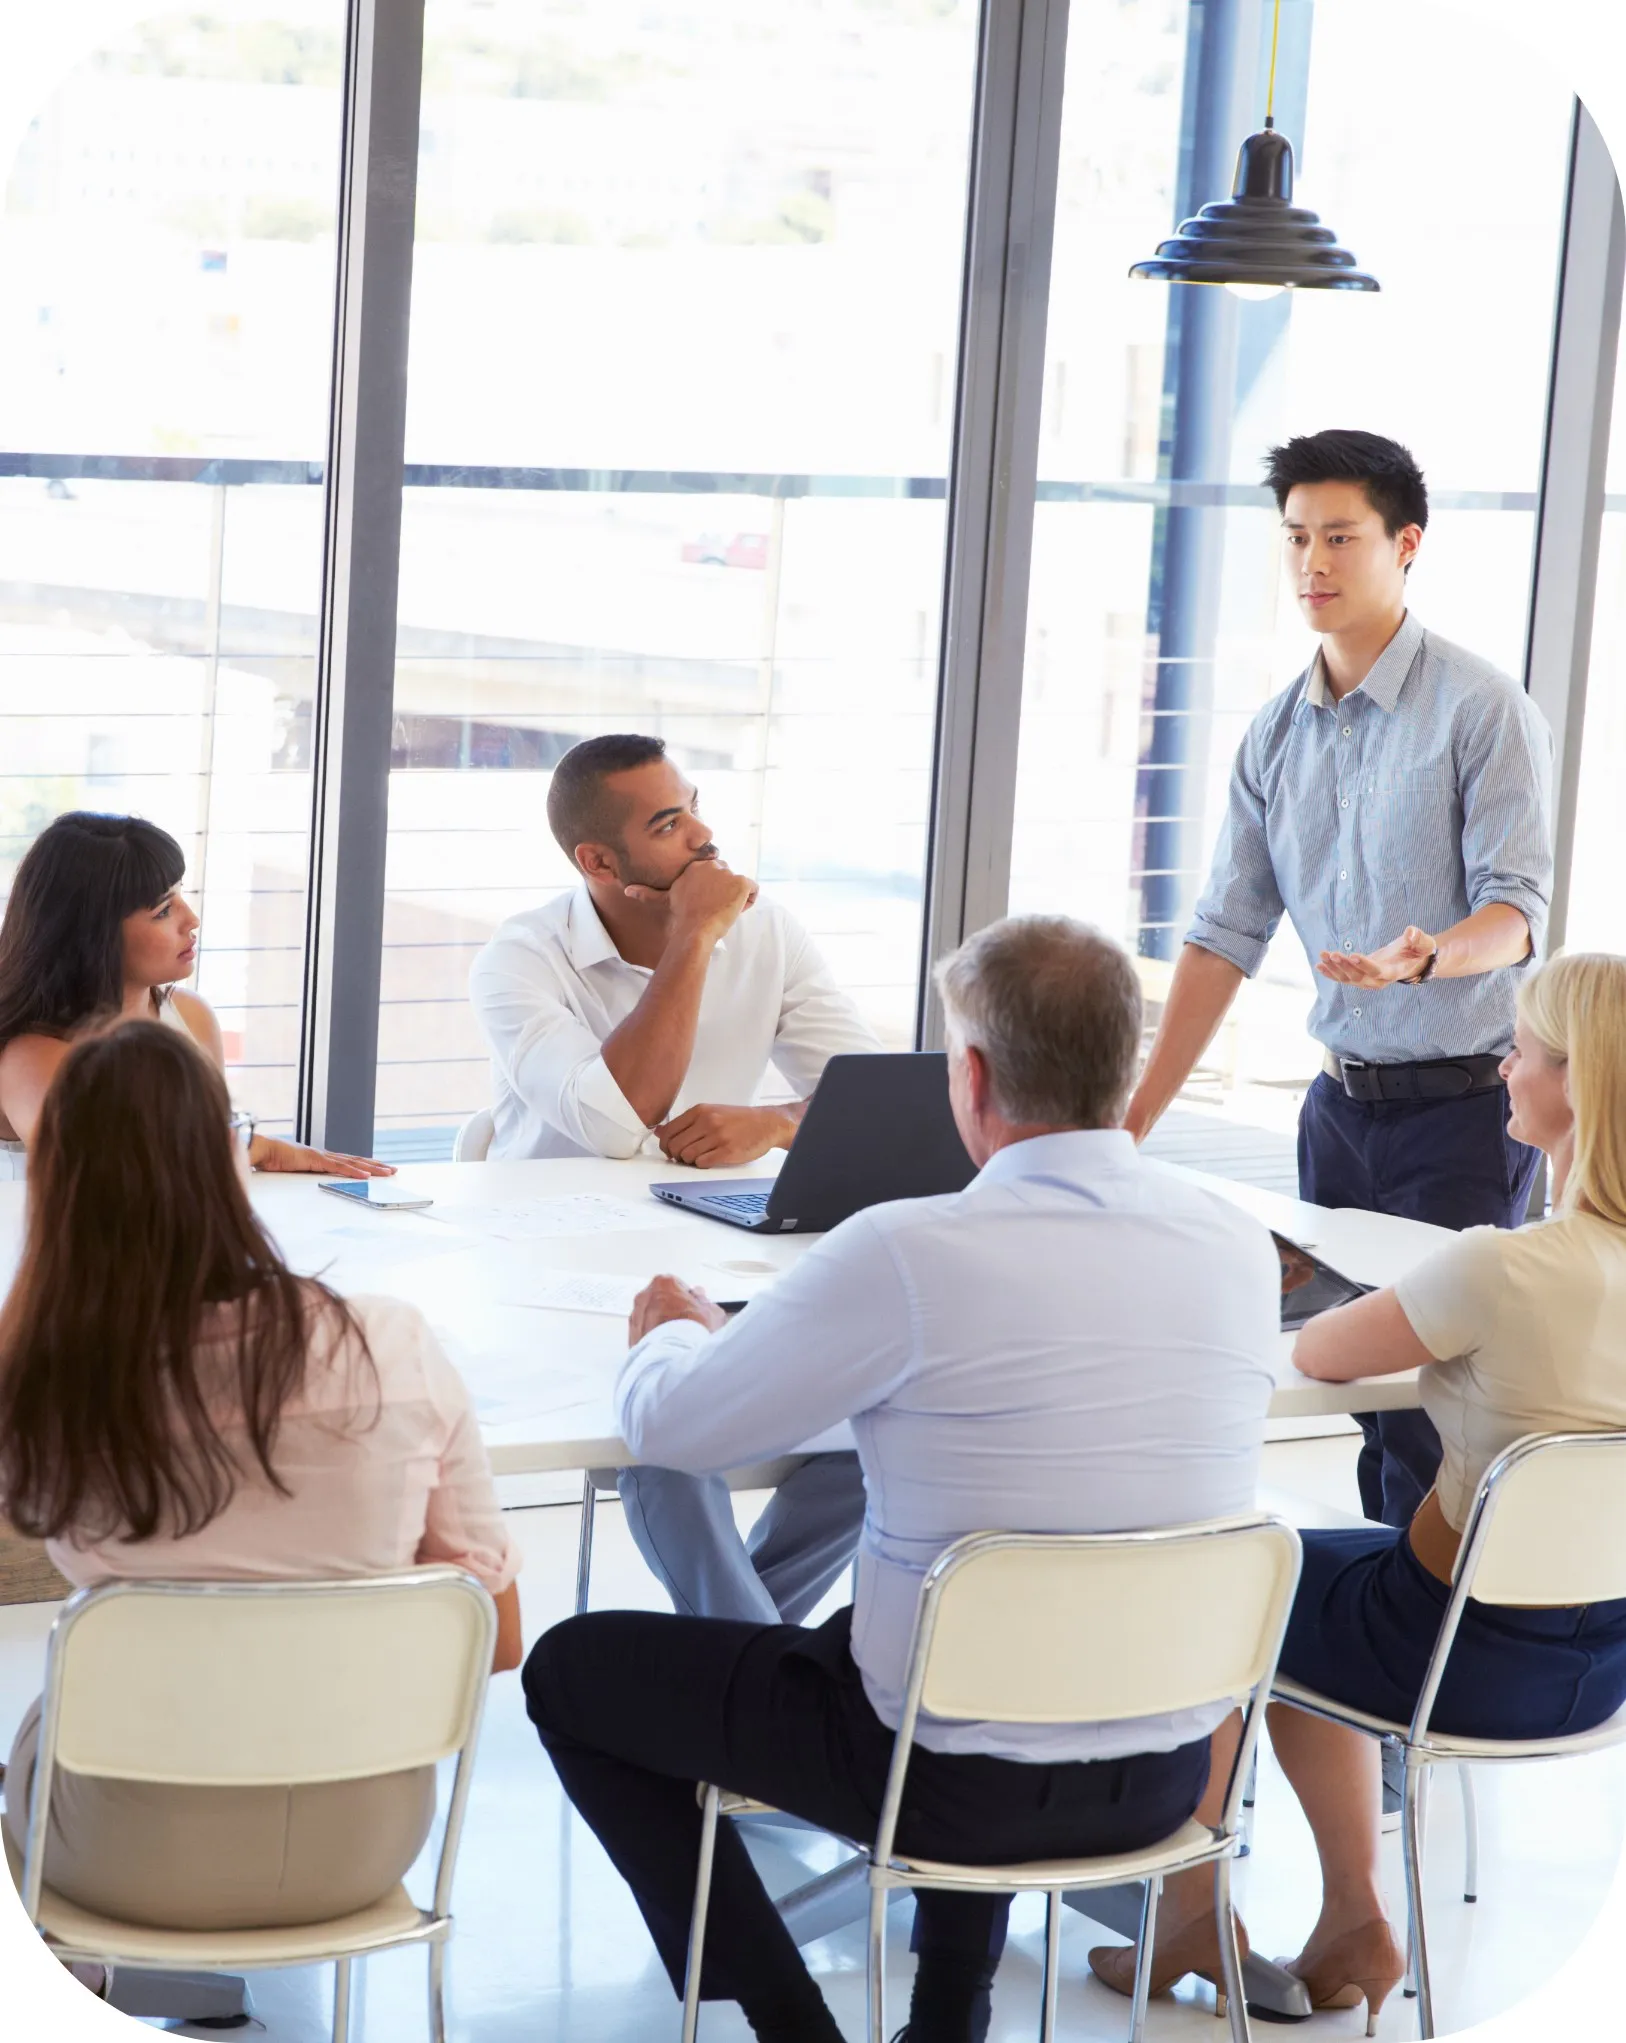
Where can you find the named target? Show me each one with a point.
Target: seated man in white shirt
(1078, 1342)
(639, 1013)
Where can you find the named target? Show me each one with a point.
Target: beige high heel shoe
(1364, 1964)
(1194, 1947)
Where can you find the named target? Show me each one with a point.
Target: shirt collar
(587, 941)
(1073, 1153)
(1387, 677)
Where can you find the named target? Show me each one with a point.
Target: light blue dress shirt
(1421, 797)
(1079, 1341)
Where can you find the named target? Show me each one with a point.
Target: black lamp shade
(1258, 236)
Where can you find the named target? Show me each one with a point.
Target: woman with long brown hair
(175, 1403)
(96, 927)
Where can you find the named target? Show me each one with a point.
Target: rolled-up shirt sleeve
(547, 1054)
(1505, 772)
(829, 1340)
(817, 1020)
(1241, 906)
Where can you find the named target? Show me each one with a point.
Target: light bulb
(1255, 292)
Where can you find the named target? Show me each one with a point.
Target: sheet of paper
(570, 1290)
(566, 1213)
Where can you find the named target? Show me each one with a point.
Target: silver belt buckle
(1345, 1066)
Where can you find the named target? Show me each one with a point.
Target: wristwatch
(1428, 970)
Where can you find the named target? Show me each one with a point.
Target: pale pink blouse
(382, 1475)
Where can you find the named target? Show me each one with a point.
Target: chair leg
(697, 1921)
(1236, 1994)
(1413, 1812)
(877, 1964)
(1470, 1835)
(1143, 1956)
(341, 2001)
(437, 1992)
(1052, 1968)
(584, 1543)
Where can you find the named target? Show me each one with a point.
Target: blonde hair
(1575, 1006)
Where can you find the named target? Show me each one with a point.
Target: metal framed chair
(472, 1142)
(240, 1684)
(1548, 1526)
(1074, 1628)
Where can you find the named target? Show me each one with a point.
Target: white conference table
(542, 1378)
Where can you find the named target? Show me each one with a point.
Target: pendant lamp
(1257, 240)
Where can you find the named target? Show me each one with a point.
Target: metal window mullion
(356, 647)
(1575, 455)
(993, 471)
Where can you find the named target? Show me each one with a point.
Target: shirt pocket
(1413, 835)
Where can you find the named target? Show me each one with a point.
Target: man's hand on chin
(714, 1137)
(667, 1298)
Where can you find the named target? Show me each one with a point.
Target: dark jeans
(635, 1707)
(1451, 1162)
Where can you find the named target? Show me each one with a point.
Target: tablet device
(1309, 1285)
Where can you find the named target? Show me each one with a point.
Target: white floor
(550, 1948)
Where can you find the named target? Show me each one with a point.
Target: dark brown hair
(578, 812)
(62, 940)
(113, 1395)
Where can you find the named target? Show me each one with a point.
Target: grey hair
(1055, 1008)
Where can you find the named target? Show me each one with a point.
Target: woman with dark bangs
(176, 1404)
(96, 928)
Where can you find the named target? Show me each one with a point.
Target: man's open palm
(1397, 961)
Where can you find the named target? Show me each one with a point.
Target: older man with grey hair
(1077, 1342)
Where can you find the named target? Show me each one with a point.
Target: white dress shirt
(1077, 1342)
(551, 986)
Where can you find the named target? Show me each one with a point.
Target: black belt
(1437, 1078)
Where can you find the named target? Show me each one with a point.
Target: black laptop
(876, 1128)
(1309, 1285)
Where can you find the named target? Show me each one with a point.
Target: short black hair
(577, 810)
(1385, 470)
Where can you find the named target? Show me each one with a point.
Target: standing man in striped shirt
(1394, 804)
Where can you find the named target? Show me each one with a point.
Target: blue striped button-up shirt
(1421, 797)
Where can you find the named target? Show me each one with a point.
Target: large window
(686, 293)
(1157, 620)
(165, 333)
(1597, 907)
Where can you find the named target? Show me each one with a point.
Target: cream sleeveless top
(13, 1156)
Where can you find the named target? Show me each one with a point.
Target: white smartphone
(377, 1192)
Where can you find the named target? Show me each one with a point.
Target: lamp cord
(1270, 89)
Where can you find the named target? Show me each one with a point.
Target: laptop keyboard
(748, 1205)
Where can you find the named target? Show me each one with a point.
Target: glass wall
(685, 302)
(169, 190)
(1157, 623)
(1597, 910)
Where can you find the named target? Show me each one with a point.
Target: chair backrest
(255, 1683)
(472, 1142)
(1549, 1523)
(1090, 1628)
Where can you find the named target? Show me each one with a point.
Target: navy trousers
(1451, 1162)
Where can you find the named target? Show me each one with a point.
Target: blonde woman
(1515, 1333)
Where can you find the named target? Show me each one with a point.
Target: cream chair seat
(1009, 1629)
(472, 1142)
(1548, 1527)
(239, 1684)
